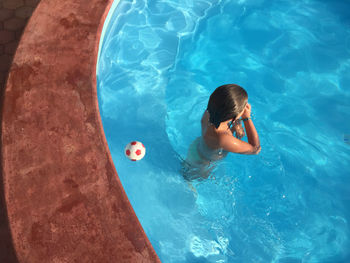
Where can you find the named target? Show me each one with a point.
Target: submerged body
(204, 151)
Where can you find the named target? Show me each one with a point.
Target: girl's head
(226, 103)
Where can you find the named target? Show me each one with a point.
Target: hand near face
(247, 110)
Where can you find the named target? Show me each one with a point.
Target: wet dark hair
(225, 103)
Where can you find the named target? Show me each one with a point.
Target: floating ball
(135, 151)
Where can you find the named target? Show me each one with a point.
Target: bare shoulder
(205, 117)
(205, 122)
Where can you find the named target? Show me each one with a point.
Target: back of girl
(222, 131)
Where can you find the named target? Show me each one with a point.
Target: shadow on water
(7, 251)
(190, 258)
(340, 8)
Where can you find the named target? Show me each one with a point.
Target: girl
(227, 104)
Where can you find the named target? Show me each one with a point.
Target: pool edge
(62, 222)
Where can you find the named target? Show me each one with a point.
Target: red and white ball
(135, 151)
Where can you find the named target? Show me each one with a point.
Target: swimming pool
(160, 61)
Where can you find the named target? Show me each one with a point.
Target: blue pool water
(158, 64)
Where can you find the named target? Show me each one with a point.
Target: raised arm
(232, 144)
(252, 135)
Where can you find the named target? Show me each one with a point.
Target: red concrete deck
(64, 199)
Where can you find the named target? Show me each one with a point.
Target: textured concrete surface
(64, 199)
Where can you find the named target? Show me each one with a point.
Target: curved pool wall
(63, 197)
